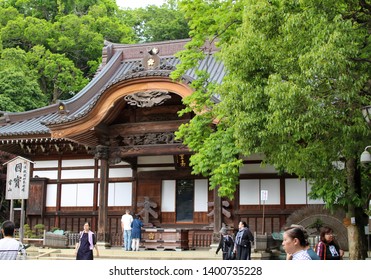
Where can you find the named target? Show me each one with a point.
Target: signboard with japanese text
(264, 195)
(18, 178)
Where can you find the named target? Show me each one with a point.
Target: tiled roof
(121, 64)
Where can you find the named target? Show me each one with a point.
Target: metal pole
(11, 216)
(21, 228)
(263, 227)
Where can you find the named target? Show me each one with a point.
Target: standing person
(87, 242)
(136, 232)
(327, 248)
(295, 243)
(226, 245)
(309, 249)
(126, 221)
(242, 246)
(10, 248)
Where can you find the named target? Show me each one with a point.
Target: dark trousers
(243, 253)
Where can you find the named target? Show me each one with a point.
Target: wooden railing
(200, 238)
(196, 239)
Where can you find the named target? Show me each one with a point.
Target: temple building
(111, 147)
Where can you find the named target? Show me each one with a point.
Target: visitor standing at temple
(87, 242)
(136, 232)
(242, 245)
(295, 243)
(126, 221)
(327, 248)
(226, 244)
(10, 248)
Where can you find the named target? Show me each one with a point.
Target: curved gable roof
(120, 64)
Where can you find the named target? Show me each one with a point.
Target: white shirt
(126, 221)
(9, 248)
(301, 255)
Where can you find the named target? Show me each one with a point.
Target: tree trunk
(356, 233)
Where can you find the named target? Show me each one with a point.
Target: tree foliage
(156, 24)
(298, 76)
(62, 43)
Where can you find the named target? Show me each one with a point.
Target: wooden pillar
(217, 211)
(102, 153)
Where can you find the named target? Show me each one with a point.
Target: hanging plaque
(18, 178)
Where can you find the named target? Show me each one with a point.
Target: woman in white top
(295, 242)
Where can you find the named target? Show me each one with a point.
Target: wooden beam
(149, 150)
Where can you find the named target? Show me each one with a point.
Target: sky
(138, 3)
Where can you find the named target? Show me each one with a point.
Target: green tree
(57, 75)
(19, 90)
(298, 75)
(156, 24)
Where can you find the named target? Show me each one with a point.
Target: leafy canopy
(297, 76)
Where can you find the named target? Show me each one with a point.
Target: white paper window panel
(249, 192)
(51, 174)
(123, 163)
(255, 168)
(77, 195)
(119, 172)
(78, 174)
(46, 163)
(155, 159)
(295, 191)
(201, 195)
(155, 168)
(168, 196)
(85, 194)
(51, 195)
(273, 188)
(313, 201)
(77, 162)
(120, 194)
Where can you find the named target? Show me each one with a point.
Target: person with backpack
(87, 242)
(327, 248)
(226, 244)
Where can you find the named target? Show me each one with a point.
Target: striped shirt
(9, 248)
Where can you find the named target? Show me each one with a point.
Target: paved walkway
(36, 253)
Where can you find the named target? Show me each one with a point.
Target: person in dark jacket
(226, 245)
(242, 245)
(136, 232)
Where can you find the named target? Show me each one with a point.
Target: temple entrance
(184, 200)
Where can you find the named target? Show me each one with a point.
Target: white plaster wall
(120, 194)
(46, 163)
(77, 162)
(51, 195)
(201, 195)
(73, 195)
(168, 196)
(51, 174)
